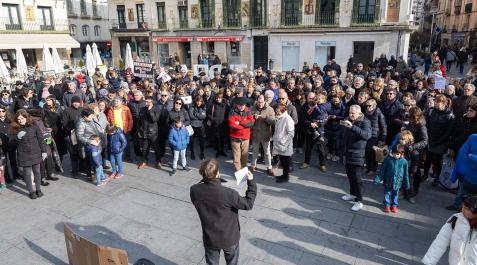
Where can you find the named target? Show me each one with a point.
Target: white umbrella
(47, 59)
(22, 69)
(128, 61)
(59, 67)
(97, 59)
(89, 60)
(4, 73)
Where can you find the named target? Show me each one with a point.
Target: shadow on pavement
(44, 253)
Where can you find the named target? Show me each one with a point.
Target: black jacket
(30, 147)
(135, 107)
(355, 139)
(69, 117)
(148, 126)
(419, 132)
(22, 103)
(439, 129)
(217, 113)
(183, 114)
(197, 115)
(390, 111)
(378, 125)
(218, 207)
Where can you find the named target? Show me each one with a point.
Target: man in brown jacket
(262, 132)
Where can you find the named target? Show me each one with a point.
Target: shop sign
(172, 39)
(290, 43)
(325, 43)
(220, 38)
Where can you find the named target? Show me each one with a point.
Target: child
(320, 118)
(179, 139)
(458, 235)
(116, 145)
(393, 172)
(94, 151)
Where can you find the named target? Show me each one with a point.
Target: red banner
(172, 39)
(220, 38)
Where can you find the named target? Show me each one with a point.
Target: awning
(36, 41)
(172, 39)
(220, 38)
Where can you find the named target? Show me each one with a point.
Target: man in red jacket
(240, 122)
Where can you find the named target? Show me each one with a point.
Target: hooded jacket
(178, 138)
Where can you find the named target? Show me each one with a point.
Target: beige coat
(262, 130)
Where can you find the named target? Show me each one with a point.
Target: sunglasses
(281, 98)
(407, 105)
(369, 106)
(178, 103)
(163, 96)
(5, 94)
(1, 110)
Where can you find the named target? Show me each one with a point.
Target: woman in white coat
(283, 140)
(459, 234)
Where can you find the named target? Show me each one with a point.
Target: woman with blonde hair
(377, 89)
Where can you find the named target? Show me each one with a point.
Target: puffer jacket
(463, 129)
(117, 142)
(389, 110)
(178, 138)
(262, 129)
(466, 163)
(460, 240)
(197, 115)
(283, 137)
(439, 129)
(333, 125)
(183, 114)
(126, 117)
(85, 129)
(240, 123)
(378, 126)
(30, 147)
(148, 123)
(394, 173)
(355, 141)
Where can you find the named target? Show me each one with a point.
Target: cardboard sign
(440, 83)
(143, 70)
(84, 252)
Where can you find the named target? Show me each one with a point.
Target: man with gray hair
(262, 132)
(357, 131)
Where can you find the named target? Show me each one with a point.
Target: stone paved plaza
(149, 214)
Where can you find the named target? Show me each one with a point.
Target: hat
(75, 99)
(240, 101)
(258, 89)
(18, 82)
(103, 92)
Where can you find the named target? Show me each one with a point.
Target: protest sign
(144, 70)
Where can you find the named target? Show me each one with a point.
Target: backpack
(452, 221)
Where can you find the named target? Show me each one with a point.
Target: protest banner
(144, 70)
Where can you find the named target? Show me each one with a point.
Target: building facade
(275, 34)
(458, 21)
(88, 24)
(29, 24)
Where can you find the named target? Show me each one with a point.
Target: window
(97, 30)
(84, 12)
(161, 14)
(365, 11)
(207, 13)
(121, 16)
(45, 18)
(73, 30)
(326, 11)
(258, 12)
(94, 4)
(235, 49)
(231, 13)
(12, 13)
(85, 30)
(69, 6)
(291, 12)
(140, 15)
(183, 17)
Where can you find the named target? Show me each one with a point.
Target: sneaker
(304, 166)
(39, 194)
(328, 157)
(387, 209)
(357, 206)
(118, 176)
(112, 176)
(348, 197)
(173, 172)
(335, 158)
(394, 209)
(99, 184)
(103, 182)
(33, 195)
(323, 168)
(44, 183)
(186, 168)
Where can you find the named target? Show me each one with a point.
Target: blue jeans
(458, 196)
(117, 160)
(182, 154)
(391, 197)
(99, 174)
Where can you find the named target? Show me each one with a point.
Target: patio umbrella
(59, 67)
(128, 61)
(47, 59)
(4, 73)
(97, 59)
(22, 69)
(89, 60)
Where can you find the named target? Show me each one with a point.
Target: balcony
(290, 20)
(118, 25)
(158, 25)
(36, 25)
(366, 19)
(258, 21)
(326, 18)
(232, 23)
(206, 23)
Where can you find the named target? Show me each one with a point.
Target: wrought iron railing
(258, 21)
(34, 25)
(326, 18)
(370, 18)
(290, 19)
(232, 22)
(206, 23)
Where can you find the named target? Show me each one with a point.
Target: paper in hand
(241, 175)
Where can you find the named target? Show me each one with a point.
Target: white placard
(440, 83)
(241, 175)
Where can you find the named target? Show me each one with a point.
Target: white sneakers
(356, 206)
(348, 197)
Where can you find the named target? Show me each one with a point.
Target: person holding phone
(218, 207)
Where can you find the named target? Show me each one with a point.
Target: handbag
(448, 165)
(190, 130)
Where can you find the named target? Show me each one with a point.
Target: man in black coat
(165, 105)
(357, 131)
(135, 106)
(148, 130)
(218, 207)
(69, 117)
(390, 107)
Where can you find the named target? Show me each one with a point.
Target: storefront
(138, 41)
